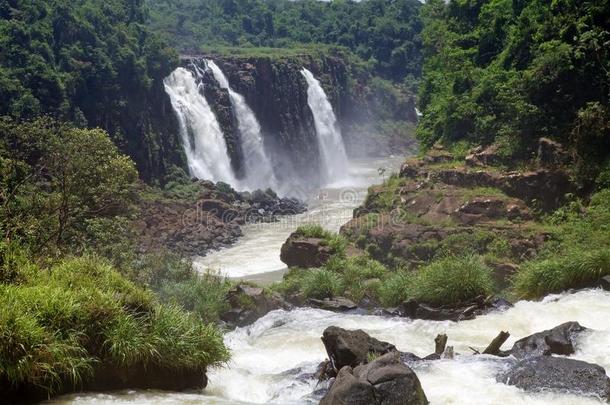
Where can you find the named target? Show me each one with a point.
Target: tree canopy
(384, 32)
(511, 71)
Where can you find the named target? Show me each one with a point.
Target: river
(271, 359)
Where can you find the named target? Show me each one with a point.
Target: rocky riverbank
(446, 238)
(208, 218)
(364, 370)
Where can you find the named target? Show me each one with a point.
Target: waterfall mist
(330, 141)
(203, 141)
(259, 170)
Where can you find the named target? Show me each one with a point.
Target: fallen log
(496, 344)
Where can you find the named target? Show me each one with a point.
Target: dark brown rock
(559, 340)
(303, 252)
(352, 347)
(337, 304)
(386, 380)
(560, 374)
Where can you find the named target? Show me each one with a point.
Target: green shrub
(205, 295)
(313, 231)
(321, 283)
(451, 280)
(571, 270)
(61, 322)
(396, 288)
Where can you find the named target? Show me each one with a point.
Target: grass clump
(62, 323)
(335, 242)
(578, 254)
(451, 280)
(396, 288)
(552, 275)
(322, 283)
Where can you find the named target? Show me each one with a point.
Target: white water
(258, 167)
(203, 140)
(265, 353)
(258, 251)
(330, 142)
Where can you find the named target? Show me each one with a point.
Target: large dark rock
(386, 380)
(559, 340)
(545, 373)
(352, 347)
(337, 304)
(249, 304)
(299, 251)
(456, 312)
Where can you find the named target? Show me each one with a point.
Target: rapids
(272, 358)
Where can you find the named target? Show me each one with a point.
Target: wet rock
(604, 283)
(457, 312)
(250, 303)
(559, 340)
(303, 252)
(352, 347)
(337, 304)
(386, 380)
(545, 373)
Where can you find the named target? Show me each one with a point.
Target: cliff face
(276, 91)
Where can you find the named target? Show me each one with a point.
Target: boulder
(337, 304)
(561, 374)
(386, 380)
(604, 283)
(352, 347)
(559, 340)
(487, 156)
(250, 303)
(303, 252)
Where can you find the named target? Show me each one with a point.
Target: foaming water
(272, 358)
(258, 251)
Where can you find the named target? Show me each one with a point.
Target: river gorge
(274, 360)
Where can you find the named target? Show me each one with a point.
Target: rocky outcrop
(546, 373)
(386, 380)
(352, 347)
(559, 340)
(455, 312)
(207, 222)
(304, 252)
(250, 303)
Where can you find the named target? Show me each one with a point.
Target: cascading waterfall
(259, 170)
(330, 142)
(204, 142)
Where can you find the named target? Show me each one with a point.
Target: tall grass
(60, 324)
(573, 269)
(451, 280)
(577, 255)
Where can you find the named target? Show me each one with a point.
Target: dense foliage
(92, 63)
(383, 32)
(511, 71)
(67, 315)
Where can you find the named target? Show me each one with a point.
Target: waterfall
(203, 140)
(259, 170)
(330, 142)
